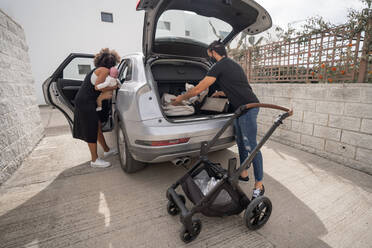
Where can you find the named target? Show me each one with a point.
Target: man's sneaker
(112, 151)
(258, 192)
(99, 163)
(244, 179)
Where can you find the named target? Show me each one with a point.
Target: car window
(126, 71)
(187, 25)
(78, 68)
(123, 72)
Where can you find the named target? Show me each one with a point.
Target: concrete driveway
(56, 200)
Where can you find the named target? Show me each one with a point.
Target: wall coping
(315, 85)
(10, 18)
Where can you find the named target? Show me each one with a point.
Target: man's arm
(203, 85)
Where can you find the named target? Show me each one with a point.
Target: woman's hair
(218, 47)
(106, 58)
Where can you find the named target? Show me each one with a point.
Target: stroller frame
(192, 227)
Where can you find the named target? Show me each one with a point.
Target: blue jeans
(245, 135)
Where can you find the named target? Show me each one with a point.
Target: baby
(111, 80)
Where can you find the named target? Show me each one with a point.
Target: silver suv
(175, 38)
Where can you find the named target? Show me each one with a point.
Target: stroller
(215, 191)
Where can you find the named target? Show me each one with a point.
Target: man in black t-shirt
(233, 82)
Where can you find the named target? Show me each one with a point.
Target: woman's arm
(102, 85)
(102, 74)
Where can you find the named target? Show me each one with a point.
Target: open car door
(62, 86)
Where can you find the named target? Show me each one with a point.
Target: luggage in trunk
(171, 77)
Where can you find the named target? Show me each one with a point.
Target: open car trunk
(171, 75)
(184, 28)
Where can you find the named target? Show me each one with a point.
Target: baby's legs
(103, 96)
(99, 102)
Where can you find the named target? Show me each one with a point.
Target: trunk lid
(184, 28)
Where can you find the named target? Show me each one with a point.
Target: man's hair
(106, 58)
(218, 47)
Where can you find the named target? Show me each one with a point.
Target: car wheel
(127, 162)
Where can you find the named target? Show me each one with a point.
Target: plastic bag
(201, 180)
(206, 184)
(210, 185)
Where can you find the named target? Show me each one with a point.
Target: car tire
(127, 162)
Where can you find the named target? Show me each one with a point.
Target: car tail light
(163, 142)
(138, 4)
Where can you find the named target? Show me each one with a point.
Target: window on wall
(107, 17)
(164, 25)
(187, 33)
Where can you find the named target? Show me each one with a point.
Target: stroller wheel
(186, 236)
(172, 207)
(258, 212)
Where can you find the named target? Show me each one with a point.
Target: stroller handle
(206, 146)
(264, 105)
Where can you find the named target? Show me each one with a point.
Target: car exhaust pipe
(186, 161)
(177, 161)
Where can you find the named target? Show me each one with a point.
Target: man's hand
(177, 101)
(202, 85)
(218, 94)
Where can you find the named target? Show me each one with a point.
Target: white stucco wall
(55, 28)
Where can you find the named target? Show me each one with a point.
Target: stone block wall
(20, 122)
(330, 120)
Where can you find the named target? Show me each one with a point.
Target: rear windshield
(188, 25)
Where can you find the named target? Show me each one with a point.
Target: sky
(286, 11)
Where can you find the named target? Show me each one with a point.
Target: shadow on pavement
(315, 164)
(292, 223)
(85, 207)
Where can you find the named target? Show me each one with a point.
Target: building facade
(54, 29)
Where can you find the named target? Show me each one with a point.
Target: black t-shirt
(233, 81)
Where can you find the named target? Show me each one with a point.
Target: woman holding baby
(88, 105)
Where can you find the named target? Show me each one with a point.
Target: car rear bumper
(153, 130)
(162, 154)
